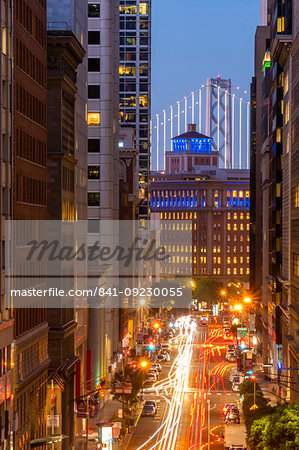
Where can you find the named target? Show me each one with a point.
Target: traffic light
(134, 366)
(128, 352)
(151, 346)
(252, 377)
(242, 345)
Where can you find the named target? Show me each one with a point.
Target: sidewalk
(270, 388)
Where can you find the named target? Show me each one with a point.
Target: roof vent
(191, 126)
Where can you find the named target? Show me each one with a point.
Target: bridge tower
(218, 118)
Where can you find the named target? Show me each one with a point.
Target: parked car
(231, 356)
(153, 371)
(151, 403)
(157, 366)
(232, 417)
(161, 358)
(166, 347)
(166, 355)
(148, 410)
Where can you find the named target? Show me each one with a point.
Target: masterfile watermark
(140, 250)
(107, 264)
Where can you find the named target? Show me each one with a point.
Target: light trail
(176, 383)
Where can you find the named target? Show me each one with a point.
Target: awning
(50, 439)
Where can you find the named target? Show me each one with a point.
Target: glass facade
(135, 84)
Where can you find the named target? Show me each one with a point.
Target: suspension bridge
(220, 110)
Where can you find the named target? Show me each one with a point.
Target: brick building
(29, 202)
(216, 200)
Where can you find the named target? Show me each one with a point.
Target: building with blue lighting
(217, 200)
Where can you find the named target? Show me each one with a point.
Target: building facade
(217, 201)
(278, 170)
(30, 203)
(135, 85)
(6, 155)
(103, 165)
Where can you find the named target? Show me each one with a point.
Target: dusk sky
(196, 39)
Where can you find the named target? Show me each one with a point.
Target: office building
(30, 203)
(135, 85)
(276, 164)
(216, 200)
(67, 187)
(103, 166)
(6, 320)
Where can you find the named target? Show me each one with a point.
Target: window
(93, 91)
(295, 264)
(93, 64)
(143, 8)
(228, 271)
(94, 10)
(93, 118)
(296, 200)
(228, 226)
(235, 226)
(4, 40)
(93, 145)
(235, 271)
(94, 38)
(93, 199)
(93, 172)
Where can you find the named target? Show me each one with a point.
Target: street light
(223, 293)
(247, 300)
(156, 325)
(143, 364)
(238, 307)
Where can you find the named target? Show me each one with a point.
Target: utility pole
(87, 421)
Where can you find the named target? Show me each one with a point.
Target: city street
(197, 383)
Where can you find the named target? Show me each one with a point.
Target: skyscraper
(103, 164)
(275, 175)
(6, 320)
(135, 85)
(30, 203)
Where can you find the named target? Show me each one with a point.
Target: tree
(277, 431)
(207, 289)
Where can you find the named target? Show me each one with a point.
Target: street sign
(81, 409)
(52, 421)
(241, 332)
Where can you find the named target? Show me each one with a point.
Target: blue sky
(196, 39)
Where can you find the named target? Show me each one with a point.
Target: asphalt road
(207, 390)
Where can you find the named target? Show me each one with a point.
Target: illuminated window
(4, 49)
(228, 237)
(93, 172)
(247, 248)
(241, 271)
(241, 226)
(218, 260)
(215, 259)
(247, 226)
(143, 8)
(235, 216)
(286, 83)
(235, 260)
(278, 134)
(93, 118)
(214, 271)
(228, 249)
(241, 259)
(296, 199)
(241, 194)
(287, 112)
(228, 260)
(247, 271)
(228, 271)
(241, 248)
(247, 216)
(218, 248)
(235, 226)
(235, 249)
(143, 101)
(228, 216)
(235, 271)
(241, 216)
(247, 194)
(235, 238)
(228, 226)
(215, 249)
(234, 193)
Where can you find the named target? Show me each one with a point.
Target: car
(166, 347)
(151, 403)
(157, 366)
(232, 409)
(235, 386)
(148, 410)
(226, 408)
(232, 418)
(153, 371)
(150, 379)
(231, 356)
(161, 358)
(166, 355)
(231, 347)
